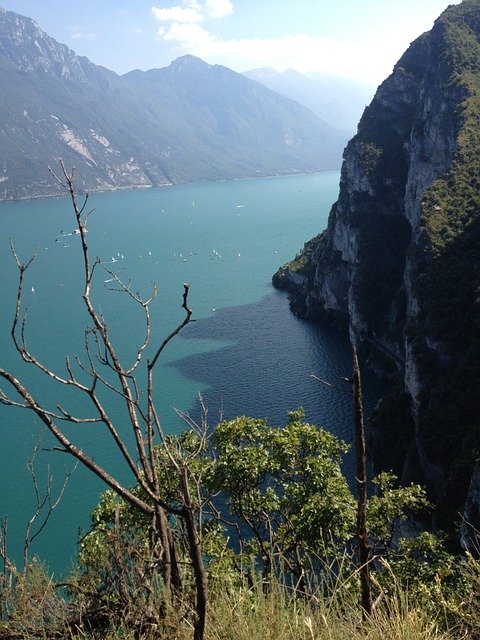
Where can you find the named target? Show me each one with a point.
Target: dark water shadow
(266, 369)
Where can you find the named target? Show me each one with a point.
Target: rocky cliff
(400, 261)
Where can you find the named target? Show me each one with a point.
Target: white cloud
(193, 4)
(191, 37)
(355, 58)
(183, 15)
(218, 8)
(193, 11)
(298, 51)
(79, 35)
(180, 27)
(301, 52)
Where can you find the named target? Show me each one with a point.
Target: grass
(275, 616)
(241, 612)
(251, 615)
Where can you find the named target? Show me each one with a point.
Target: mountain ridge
(335, 100)
(187, 122)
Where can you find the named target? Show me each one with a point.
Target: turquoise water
(245, 353)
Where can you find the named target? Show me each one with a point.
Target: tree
(361, 534)
(102, 371)
(292, 517)
(286, 487)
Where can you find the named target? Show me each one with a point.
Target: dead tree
(45, 502)
(103, 369)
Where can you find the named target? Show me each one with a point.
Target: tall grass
(253, 615)
(250, 614)
(238, 611)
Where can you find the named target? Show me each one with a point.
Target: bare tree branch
(72, 449)
(176, 331)
(102, 372)
(42, 501)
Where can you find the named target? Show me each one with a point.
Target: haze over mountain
(338, 101)
(187, 122)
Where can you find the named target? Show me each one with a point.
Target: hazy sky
(355, 38)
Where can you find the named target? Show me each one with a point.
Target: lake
(245, 353)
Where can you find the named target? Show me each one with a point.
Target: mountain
(190, 121)
(337, 101)
(399, 263)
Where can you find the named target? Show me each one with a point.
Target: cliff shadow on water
(267, 370)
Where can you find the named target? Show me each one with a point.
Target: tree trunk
(196, 557)
(361, 528)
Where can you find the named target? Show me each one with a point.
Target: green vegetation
(283, 564)
(303, 259)
(369, 154)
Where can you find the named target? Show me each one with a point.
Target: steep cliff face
(400, 259)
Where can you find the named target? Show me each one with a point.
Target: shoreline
(59, 194)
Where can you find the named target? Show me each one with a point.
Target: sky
(358, 39)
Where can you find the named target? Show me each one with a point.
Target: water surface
(245, 352)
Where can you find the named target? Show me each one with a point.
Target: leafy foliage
(370, 155)
(293, 510)
(284, 484)
(388, 506)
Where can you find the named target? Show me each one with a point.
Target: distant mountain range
(187, 122)
(338, 101)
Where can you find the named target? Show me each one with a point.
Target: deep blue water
(245, 352)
